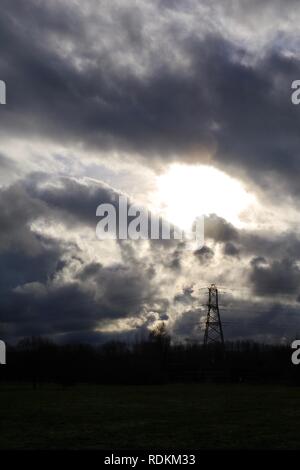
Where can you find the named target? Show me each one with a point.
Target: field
(145, 417)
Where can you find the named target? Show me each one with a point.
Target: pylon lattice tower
(213, 327)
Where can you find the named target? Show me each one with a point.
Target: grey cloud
(277, 277)
(186, 296)
(271, 323)
(224, 103)
(33, 300)
(251, 242)
(204, 254)
(187, 325)
(17, 211)
(141, 78)
(18, 267)
(123, 289)
(230, 249)
(219, 229)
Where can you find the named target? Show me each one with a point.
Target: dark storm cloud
(97, 294)
(219, 229)
(277, 277)
(204, 254)
(251, 242)
(43, 310)
(284, 245)
(17, 211)
(18, 267)
(186, 296)
(261, 322)
(273, 259)
(53, 199)
(188, 324)
(224, 102)
(33, 300)
(230, 249)
(122, 288)
(73, 201)
(67, 80)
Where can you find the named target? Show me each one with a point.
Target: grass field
(164, 417)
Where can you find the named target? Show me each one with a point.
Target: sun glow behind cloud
(187, 191)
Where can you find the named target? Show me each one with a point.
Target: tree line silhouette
(154, 360)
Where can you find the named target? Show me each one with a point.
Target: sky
(184, 108)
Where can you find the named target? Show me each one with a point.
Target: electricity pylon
(213, 327)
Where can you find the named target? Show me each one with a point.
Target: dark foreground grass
(144, 417)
